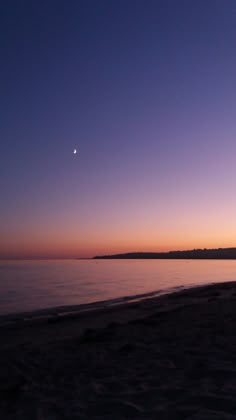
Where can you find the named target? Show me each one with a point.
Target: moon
(75, 151)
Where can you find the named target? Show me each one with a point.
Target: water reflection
(30, 285)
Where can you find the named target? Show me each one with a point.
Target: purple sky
(145, 90)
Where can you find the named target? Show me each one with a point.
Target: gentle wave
(73, 310)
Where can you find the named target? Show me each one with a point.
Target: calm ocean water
(33, 285)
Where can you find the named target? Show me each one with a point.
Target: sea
(39, 285)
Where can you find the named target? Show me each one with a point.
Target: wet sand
(168, 357)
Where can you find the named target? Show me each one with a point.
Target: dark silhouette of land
(195, 254)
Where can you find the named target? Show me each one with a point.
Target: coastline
(167, 357)
(20, 319)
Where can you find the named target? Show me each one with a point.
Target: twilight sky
(146, 91)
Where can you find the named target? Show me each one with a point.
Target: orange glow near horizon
(127, 221)
(97, 243)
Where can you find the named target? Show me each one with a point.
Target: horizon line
(30, 258)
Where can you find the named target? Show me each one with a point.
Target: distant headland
(195, 254)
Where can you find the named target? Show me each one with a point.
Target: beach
(167, 357)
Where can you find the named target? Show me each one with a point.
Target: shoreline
(63, 311)
(73, 319)
(165, 357)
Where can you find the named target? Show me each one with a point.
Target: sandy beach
(171, 357)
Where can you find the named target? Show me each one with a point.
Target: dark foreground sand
(172, 357)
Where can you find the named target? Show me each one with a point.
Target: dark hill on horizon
(201, 254)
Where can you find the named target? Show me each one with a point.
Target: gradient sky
(146, 91)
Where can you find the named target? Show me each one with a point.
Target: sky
(145, 91)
